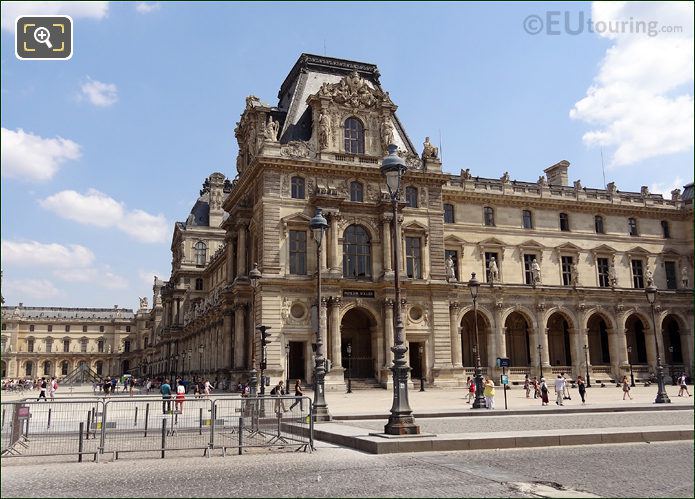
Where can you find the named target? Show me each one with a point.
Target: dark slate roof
(688, 192)
(68, 313)
(200, 213)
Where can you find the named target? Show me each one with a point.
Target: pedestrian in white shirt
(559, 389)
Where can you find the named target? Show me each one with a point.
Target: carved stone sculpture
(611, 276)
(684, 277)
(271, 130)
(505, 178)
(353, 91)
(450, 269)
(535, 272)
(492, 271)
(466, 174)
(386, 134)
(428, 150)
(675, 194)
(542, 181)
(644, 191)
(575, 275)
(324, 131)
(649, 275)
(143, 303)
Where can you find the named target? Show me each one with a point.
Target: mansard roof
(68, 313)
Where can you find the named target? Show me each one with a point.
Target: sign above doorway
(357, 293)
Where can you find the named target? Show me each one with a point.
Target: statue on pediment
(324, 130)
(542, 181)
(675, 194)
(143, 303)
(535, 272)
(466, 174)
(428, 150)
(505, 178)
(354, 91)
(644, 191)
(386, 133)
(252, 101)
(271, 130)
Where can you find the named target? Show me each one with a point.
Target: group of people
(488, 392)
(20, 384)
(561, 386)
(201, 389)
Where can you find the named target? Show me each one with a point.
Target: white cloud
(98, 93)
(31, 157)
(36, 254)
(638, 103)
(36, 289)
(147, 277)
(99, 209)
(147, 7)
(664, 188)
(90, 10)
(102, 277)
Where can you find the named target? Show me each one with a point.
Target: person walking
(180, 397)
(114, 384)
(278, 391)
(298, 393)
(165, 390)
(536, 388)
(626, 388)
(566, 392)
(544, 392)
(130, 386)
(42, 390)
(471, 390)
(559, 389)
(581, 386)
(53, 388)
(683, 382)
(527, 386)
(207, 388)
(107, 386)
(489, 393)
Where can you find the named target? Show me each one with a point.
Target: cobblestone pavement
(629, 470)
(549, 422)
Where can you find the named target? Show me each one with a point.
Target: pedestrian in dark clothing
(165, 390)
(581, 386)
(298, 393)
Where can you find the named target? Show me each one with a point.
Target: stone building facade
(565, 292)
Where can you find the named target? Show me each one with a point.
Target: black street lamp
(670, 363)
(479, 402)
(318, 225)
(540, 362)
(421, 349)
(629, 361)
(287, 366)
(401, 421)
(201, 348)
(254, 278)
(661, 396)
(586, 361)
(349, 354)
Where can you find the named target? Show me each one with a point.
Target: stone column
(386, 238)
(241, 250)
(388, 332)
(456, 354)
(334, 248)
(239, 336)
(651, 349)
(324, 256)
(334, 324)
(576, 349)
(687, 349)
(543, 339)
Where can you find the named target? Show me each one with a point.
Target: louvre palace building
(562, 266)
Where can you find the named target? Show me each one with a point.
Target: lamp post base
(321, 413)
(401, 425)
(479, 402)
(662, 398)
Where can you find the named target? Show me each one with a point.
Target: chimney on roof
(557, 174)
(21, 304)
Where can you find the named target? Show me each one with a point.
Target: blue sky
(128, 129)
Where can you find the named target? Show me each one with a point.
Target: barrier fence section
(153, 424)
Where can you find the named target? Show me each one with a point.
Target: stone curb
(358, 438)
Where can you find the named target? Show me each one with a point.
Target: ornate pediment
(296, 219)
(354, 92)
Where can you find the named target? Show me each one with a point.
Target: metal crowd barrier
(151, 424)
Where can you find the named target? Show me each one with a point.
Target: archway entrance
(125, 367)
(468, 338)
(559, 350)
(356, 335)
(517, 340)
(599, 352)
(673, 351)
(296, 360)
(635, 339)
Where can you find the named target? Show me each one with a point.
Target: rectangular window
(50, 328)
(632, 226)
(413, 257)
(101, 329)
(411, 197)
(454, 258)
(489, 216)
(67, 329)
(566, 263)
(127, 329)
(528, 274)
(84, 329)
(637, 274)
(665, 229)
(603, 272)
(49, 346)
(31, 328)
(527, 219)
(448, 213)
(66, 345)
(488, 258)
(126, 346)
(100, 346)
(199, 284)
(297, 188)
(564, 222)
(298, 252)
(147, 342)
(598, 224)
(83, 346)
(670, 269)
(30, 345)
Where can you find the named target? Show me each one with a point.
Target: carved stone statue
(611, 276)
(684, 277)
(535, 272)
(612, 188)
(271, 130)
(574, 280)
(450, 269)
(252, 101)
(675, 194)
(466, 174)
(493, 271)
(542, 181)
(143, 303)
(644, 191)
(505, 178)
(428, 150)
(324, 131)
(578, 185)
(649, 275)
(386, 133)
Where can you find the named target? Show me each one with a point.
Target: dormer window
(356, 192)
(354, 136)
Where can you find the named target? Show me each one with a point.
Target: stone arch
(29, 369)
(525, 311)
(673, 341)
(63, 367)
(598, 338)
(558, 325)
(467, 328)
(481, 310)
(363, 346)
(609, 319)
(569, 316)
(636, 337)
(517, 327)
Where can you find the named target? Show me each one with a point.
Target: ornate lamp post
(661, 396)
(586, 361)
(349, 373)
(254, 278)
(629, 361)
(421, 349)
(540, 362)
(479, 402)
(401, 421)
(318, 225)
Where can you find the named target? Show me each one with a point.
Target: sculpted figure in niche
(536, 272)
(324, 131)
(684, 276)
(428, 150)
(575, 274)
(611, 276)
(386, 133)
(271, 130)
(493, 271)
(450, 269)
(649, 275)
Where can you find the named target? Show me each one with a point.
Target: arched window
(47, 368)
(28, 368)
(64, 368)
(354, 136)
(356, 192)
(489, 216)
(297, 184)
(200, 253)
(357, 254)
(411, 197)
(527, 219)
(598, 224)
(99, 368)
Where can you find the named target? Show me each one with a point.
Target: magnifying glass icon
(42, 35)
